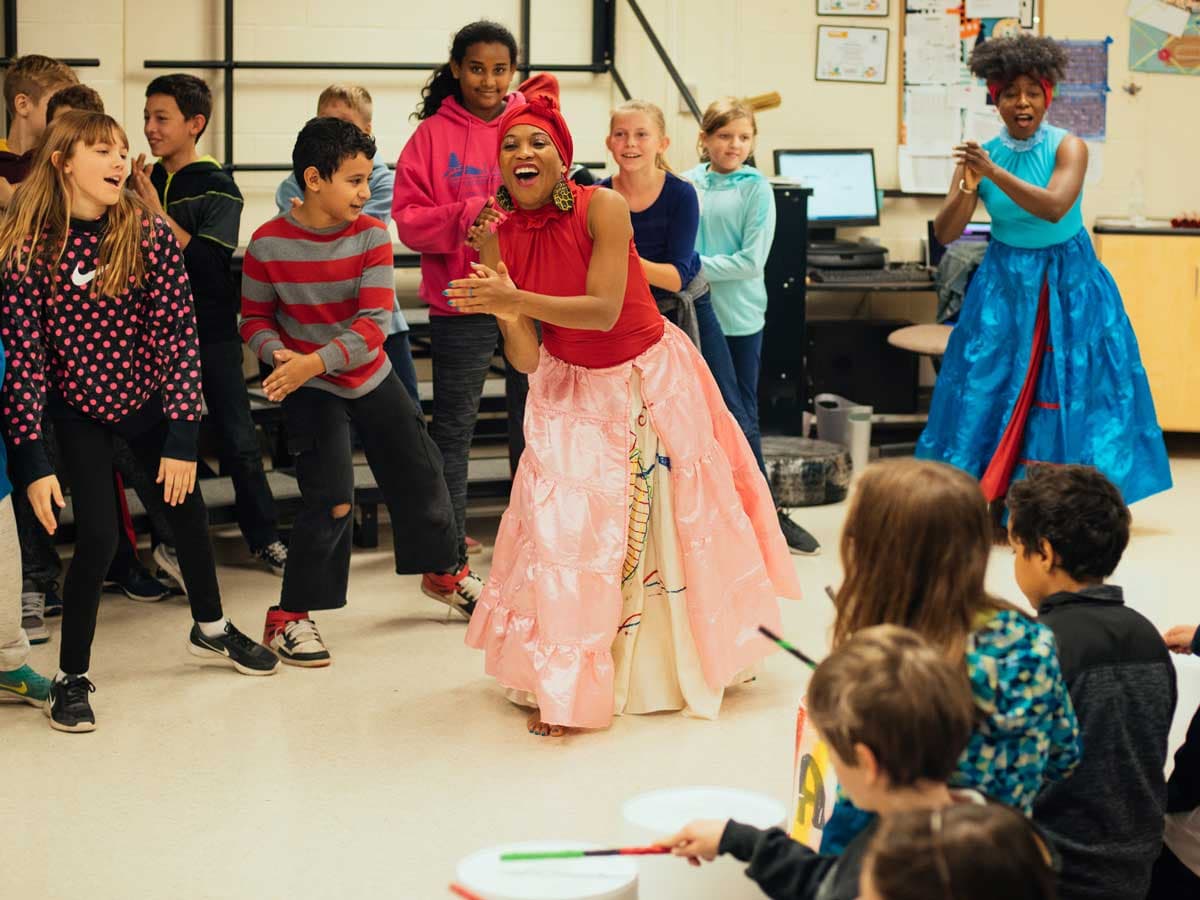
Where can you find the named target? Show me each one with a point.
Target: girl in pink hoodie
(445, 177)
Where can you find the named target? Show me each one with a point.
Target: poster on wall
(852, 7)
(1081, 98)
(1153, 48)
(852, 54)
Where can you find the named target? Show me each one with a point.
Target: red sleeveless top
(547, 251)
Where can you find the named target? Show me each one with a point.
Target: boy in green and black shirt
(203, 206)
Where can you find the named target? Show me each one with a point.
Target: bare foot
(539, 728)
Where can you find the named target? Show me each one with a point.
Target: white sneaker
(295, 640)
(168, 566)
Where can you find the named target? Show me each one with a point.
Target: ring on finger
(470, 292)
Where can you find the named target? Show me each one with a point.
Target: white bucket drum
(659, 814)
(593, 878)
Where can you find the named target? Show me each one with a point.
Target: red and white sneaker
(474, 548)
(294, 639)
(459, 591)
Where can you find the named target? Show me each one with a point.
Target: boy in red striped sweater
(316, 299)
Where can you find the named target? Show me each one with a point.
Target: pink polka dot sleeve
(175, 339)
(24, 393)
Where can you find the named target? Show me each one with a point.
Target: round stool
(804, 472)
(927, 340)
(593, 878)
(659, 814)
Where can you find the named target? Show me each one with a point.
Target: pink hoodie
(444, 176)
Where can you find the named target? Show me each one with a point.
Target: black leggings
(86, 452)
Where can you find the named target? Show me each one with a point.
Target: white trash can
(842, 421)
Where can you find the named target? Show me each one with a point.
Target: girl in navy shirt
(666, 216)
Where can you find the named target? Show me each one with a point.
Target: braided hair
(442, 83)
(1004, 59)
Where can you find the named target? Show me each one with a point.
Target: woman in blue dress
(1043, 364)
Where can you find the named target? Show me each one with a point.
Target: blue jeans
(735, 363)
(399, 352)
(745, 353)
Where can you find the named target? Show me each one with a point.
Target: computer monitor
(974, 232)
(843, 186)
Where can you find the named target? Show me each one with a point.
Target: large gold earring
(504, 199)
(562, 196)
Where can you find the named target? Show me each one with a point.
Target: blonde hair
(651, 111)
(719, 114)
(355, 96)
(33, 75)
(915, 550)
(34, 233)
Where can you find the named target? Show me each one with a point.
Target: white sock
(213, 629)
(63, 676)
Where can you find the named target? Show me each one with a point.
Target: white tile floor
(374, 776)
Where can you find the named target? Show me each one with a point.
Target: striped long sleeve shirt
(324, 291)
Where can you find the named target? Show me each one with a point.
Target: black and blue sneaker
(68, 708)
(136, 583)
(799, 541)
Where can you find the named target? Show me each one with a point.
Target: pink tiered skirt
(554, 603)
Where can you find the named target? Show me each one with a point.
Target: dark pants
(41, 566)
(399, 351)
(237, 441)
(463, 347)
(737, 377)
(1172, 880)
(407, 467)
(86, 449)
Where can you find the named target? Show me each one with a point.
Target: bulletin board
(941, 103)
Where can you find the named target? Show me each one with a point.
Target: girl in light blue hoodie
(737, 227)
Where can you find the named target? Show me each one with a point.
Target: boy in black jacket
(1068, 527)
(203, 206)
(896, 716)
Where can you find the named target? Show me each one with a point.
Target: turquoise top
(1031, 161)
(737, 226)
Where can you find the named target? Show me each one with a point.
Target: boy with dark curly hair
(1068, 527)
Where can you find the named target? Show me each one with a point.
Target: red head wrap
(996, 88)
(541, 110)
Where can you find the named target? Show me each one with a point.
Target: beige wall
(744, 47)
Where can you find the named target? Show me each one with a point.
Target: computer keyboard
(897, 275)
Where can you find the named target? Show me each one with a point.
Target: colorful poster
(852, 7)
(814, 785)
(1081, 100)
(1154, 50)
(852, 54)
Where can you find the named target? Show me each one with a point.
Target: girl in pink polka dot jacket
(96, 315)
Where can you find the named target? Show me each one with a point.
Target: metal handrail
(666, 61)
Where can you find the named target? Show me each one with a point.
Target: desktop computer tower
(852, 357)
(782, 397)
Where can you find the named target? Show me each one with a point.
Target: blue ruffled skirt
(1092, 404)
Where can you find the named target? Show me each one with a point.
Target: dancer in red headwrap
(641, 550)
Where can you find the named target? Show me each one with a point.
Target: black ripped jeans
(407, 467)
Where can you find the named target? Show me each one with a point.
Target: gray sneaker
(275, 556)
(168, 566)
(33, 617)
